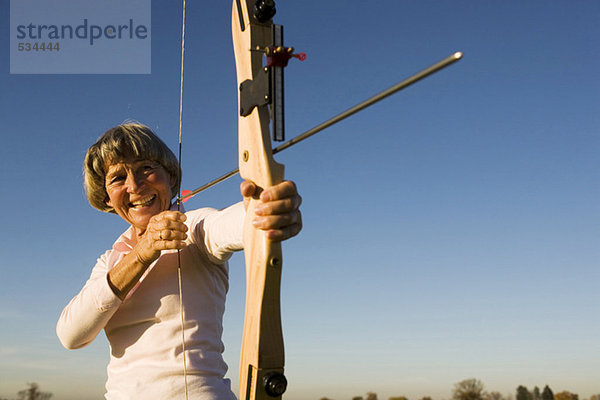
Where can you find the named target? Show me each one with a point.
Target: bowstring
(181, 311)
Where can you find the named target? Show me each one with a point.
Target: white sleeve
(88, 312)
(219, 233)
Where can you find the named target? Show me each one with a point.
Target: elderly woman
(133, 291)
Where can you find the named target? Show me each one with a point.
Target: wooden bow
(262, 358)
(260, 101)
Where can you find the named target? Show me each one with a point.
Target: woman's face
(138, 190)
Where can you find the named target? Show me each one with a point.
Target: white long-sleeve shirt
(144, 330)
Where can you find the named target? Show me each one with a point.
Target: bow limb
(262, 357)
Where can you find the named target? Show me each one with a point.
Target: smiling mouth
(143, 202)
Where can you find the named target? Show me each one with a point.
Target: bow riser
(262, 343)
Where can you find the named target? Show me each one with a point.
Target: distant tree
(493, 396)
(536, 393)
(325, 398)
(565, 395)
(523, 393)
(424, 398)
(595, 397)
(547, 393)
(469, 389)
(404, 398)
(357, 398)
(33, 393)
(373, 396)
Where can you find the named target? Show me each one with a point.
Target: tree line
(33, 392)
(474, 389)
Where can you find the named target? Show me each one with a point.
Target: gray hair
(129, 141)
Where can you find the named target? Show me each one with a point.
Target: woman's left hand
(278, 211)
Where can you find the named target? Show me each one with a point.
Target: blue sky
(451, 231)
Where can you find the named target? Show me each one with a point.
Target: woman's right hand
(165, 231)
